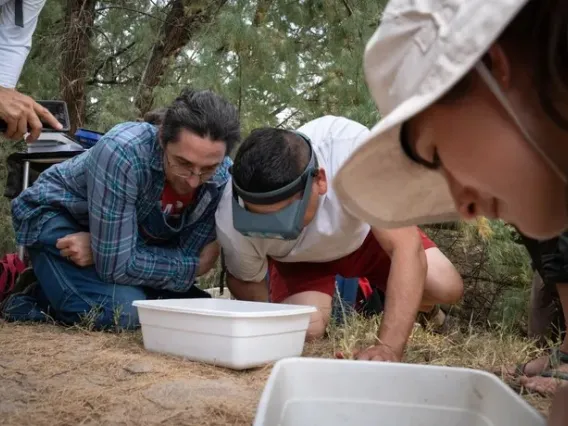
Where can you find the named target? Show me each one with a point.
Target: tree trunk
(79, 21)
(184, 20)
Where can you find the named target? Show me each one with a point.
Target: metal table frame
(27, 158)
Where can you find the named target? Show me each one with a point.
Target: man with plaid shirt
(132, 218)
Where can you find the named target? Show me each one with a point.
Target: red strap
(365, 287)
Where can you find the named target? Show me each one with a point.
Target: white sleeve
(242, 259)
(16, 42)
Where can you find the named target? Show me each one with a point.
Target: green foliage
(282, 63)
(7, 240)
(301, 61)
(502, 269)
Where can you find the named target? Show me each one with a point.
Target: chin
(183, 190)
(549, 230)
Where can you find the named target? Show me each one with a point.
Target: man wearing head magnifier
(292, 200)
(280, 216)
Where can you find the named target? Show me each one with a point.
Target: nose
(469, 202)
(193, 181)
(466, 204)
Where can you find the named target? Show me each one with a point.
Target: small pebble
(138, 367)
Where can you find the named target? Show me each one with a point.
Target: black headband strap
(287, 191)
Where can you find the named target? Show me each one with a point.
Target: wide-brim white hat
(421, 49)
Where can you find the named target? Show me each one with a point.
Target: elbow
(247, 290)
(236, 286)
(115, 277)
(116, 274)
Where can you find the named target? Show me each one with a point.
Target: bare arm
(404, 291)
(247, 290)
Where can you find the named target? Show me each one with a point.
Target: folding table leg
(25, 184)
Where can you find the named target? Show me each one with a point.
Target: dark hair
(270, 159)
(204, 113)
(538, 36)
(155, 117)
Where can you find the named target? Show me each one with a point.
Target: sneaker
(25, 284)
(435, 321)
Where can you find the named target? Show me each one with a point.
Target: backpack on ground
(11, 266)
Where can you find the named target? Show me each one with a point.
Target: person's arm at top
(405, 288)
(20, 112)
(120, 256)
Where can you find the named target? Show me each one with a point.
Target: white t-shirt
(16, 42)
(332, 234)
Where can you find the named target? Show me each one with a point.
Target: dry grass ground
(55, 376)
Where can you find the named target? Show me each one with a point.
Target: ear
(321, 181)
(500, 65)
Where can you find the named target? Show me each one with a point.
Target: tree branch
(110, 58)
(348, 7)
(110, 82)
(149, 15)
(302, 94)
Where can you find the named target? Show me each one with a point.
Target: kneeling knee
(315, 332)
(117, 317)
(451, 291)
(317, 327)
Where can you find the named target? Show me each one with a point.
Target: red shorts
(369, 261)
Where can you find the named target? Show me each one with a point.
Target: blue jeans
(71, 294)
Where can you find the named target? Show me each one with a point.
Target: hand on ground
(77, 248)
(208, 257)
(378, 353)
(21, 112)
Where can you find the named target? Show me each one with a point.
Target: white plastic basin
(313, 392)
(228, 333)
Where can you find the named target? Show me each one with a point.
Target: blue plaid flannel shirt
(113, 190)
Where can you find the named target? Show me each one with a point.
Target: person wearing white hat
(474, 103)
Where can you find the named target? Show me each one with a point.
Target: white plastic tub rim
(282, 365)
(261, 309)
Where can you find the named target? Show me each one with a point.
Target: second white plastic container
(227, 333)
(314, 392)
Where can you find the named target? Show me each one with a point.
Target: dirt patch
(55, 376)
(52, 376)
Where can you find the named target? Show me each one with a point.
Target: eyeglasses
(187, 172)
